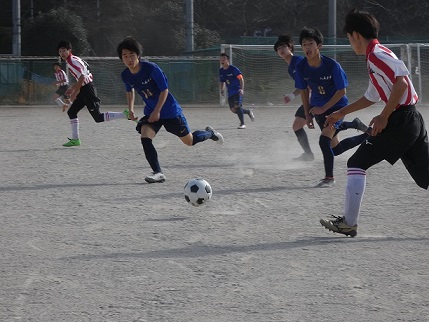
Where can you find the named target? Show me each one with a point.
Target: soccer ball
(197, 191)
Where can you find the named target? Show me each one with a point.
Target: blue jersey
(323, 81)
(229, 77)
(149, 82)
(292, 66)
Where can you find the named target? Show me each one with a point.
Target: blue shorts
(235, 100)
(177, 126)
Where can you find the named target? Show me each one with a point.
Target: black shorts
(405, 137)
(177, 126)
(300, 112)
(61, 91)
(321, 118)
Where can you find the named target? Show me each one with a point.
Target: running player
(398, 132)
(83, 93)
(284, 47)
(62, 83)
(161, 109)
(233, 78)
(327, 82)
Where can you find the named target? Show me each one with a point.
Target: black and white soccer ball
(197, 191)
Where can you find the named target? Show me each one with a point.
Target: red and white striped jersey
(61, 76)
(77, 67)
(383, 68)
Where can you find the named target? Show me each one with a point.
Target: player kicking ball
(161, 108)
(83, 93)
(398, 132)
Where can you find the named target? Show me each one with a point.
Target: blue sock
(151, 154)
(349, 143)
(200, 136)
(328, 155)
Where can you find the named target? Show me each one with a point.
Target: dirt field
(84, 238)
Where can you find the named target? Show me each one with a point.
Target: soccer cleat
(72, 142)
(241, 126)
(360, 126)
(155, 177)
(128, 116)
(339, 225)
(216, 136)
(305, 157)
(251, 115)
(326, 183)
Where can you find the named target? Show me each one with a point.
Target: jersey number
(321, 90)
(147, 93)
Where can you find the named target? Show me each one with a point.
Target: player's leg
(179, 127)
(77, 105)
(355, 124)
(298, 127)
(349, 143)
(234, 102)
(328, 158)
(148, 132)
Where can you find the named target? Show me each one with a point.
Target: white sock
(356, 180)
(60, 102)
(110, 116)
(75, 128)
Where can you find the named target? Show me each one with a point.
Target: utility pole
(16, 20)
(189, 25)
(332, 31)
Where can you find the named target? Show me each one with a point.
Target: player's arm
(360, 104)
(222, 88)
(131, 96)
(241, 80)
(334, 99)
(155, 115)
(379, 122)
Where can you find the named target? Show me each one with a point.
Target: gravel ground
(84, 238)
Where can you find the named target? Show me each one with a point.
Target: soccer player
(162, 109)
(284, 47)
(398, 132)
(232, 77)
(83, 93)
(327, 82)
(62, 83)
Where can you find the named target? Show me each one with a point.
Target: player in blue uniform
(233, 78)
(162, 109)
(284, 47)
(327, 82)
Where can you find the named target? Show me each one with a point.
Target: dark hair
(284, 40)
(362, 22)
(56, 64)
(224, 55)
(309, 33)
(64, 44)
(130, 44)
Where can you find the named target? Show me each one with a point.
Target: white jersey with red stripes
(61, 76)
(383, 68)
(77, 67)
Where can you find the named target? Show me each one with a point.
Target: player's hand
(288, 98)
(240, 91)
(317, 110)
(65, 107)
(133, 117)
(378, 124)
(309, 121)
(154, 116)
(332, 118)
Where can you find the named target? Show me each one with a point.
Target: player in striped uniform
(284, 47)
(62, 83)
(161, 108)
(83, 93)
(398, 132)
(233, 78)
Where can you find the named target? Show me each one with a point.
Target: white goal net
(266, 78)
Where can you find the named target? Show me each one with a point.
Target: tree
(40, 35)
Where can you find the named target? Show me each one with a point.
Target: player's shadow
(199, 250)
(63, 185)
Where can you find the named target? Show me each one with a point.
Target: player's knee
(234, 109)
(72, 114)
(98, 118)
